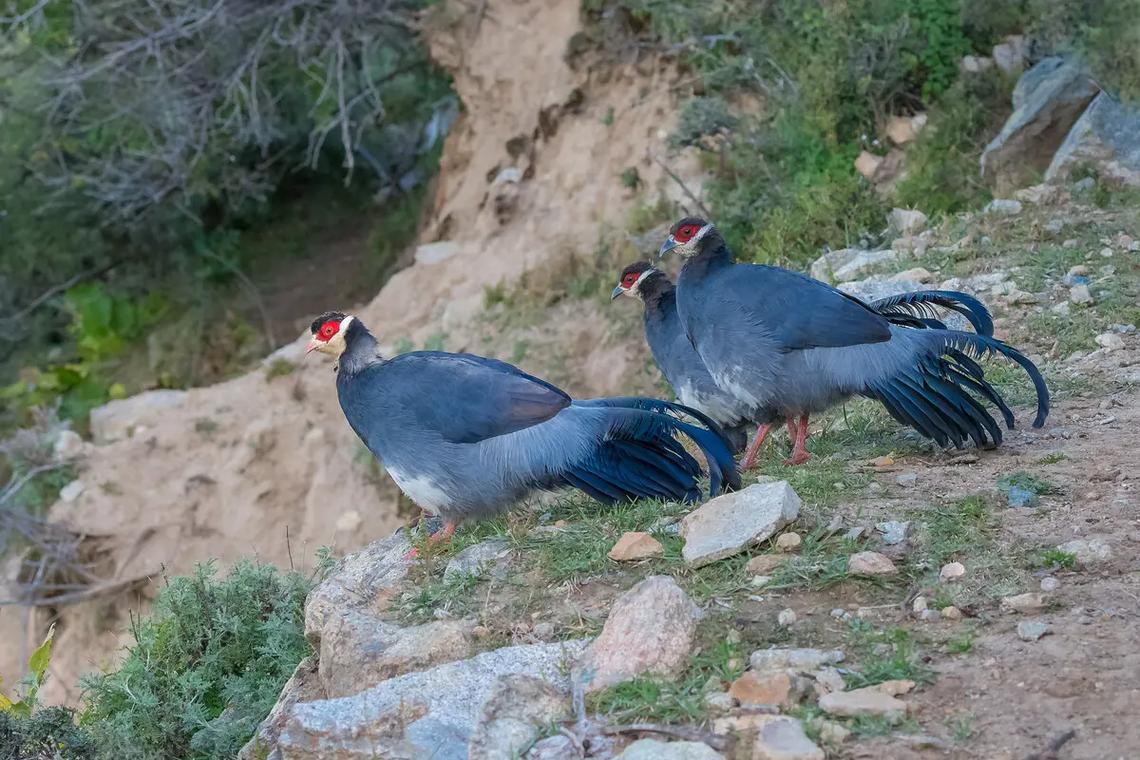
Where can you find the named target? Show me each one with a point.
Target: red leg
(799, 453)
(754, 449)
(441, 536)
(791, 424)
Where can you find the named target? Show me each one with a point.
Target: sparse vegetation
(204, 668)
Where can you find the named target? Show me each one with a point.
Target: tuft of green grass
(1028, 481)
(963, 644)
(1055, 558)
(961, 727)
(1052, 458)
(279, 368)
(821, 562)
(420, 604)
(900, 659)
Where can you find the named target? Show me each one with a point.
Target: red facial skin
(685, 234)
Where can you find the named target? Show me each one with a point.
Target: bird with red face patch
(694, 386)
(465, 436)
(779, 340)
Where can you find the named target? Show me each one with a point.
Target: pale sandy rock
(870, 563)
(120, 419)
(865, 701)
(1028, 603)
(732, 522)
(917, 274)
(650, 629)
(655, 749)
(896, 687)
(907, 221)
(303, 686)
(794, 659)
(765, 564)
(781, 737)
(72, 491)
(867, 164)
(975, 64)
(635, 545)
(788, 542)
(68, 445)
(951, 571)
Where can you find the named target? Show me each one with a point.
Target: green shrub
(205, 668)
(49, 733)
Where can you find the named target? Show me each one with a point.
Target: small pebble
(930, 616)
(544, 631)
(788, 542)
(760, 581)
(1031, 630)
(840, 614)
(919, 605)
(907, 479)
(1080, 295)
(786, 617)
(1049, 583)
(952, 571)
(951, 613)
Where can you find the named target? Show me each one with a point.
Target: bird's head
(632, 277)
(330, 333)
(685, 237)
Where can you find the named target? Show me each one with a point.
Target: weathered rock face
(432, 713)
(850, 264)
(650, 629)
(1048, 100)
(303, 686)
(654, 749)
(518, 708)
(1107, 139)
(732, 522)
(359, 650)
(488, 557)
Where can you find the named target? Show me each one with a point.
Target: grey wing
(800, 312)
(468, 398)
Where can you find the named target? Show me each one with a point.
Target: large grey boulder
(1106, 138)
(1048, 100)
(433, 713)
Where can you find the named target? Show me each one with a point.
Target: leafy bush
(205, 668)
(49, 733)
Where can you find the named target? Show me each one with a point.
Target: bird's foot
(798, 457)
(438, 539)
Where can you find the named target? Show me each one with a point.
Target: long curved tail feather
(922, 308)
(935, 395)
(643, 458)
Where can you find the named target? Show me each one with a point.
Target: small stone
(896, 686)
(917, 274)
(832, 733)
(1068, 243)
(650, 630)
(1063, 309)
(543, 631)
(830, 679)
(764, 564)
(1106, 252)
(72, 491)
(490, 558)
(782, 737)
(786, 617)
(1110, 341)
(867, 164)
(870, 564)
(894, 531)
(919, 604)
(1080, 295)
(902, 129)
(1024, 603)
(1088, 552)
(654, 749)
(951, 613)
(951, 571)
(1031, 630)
(1049, 583)
(865, 701)
(634, 546)
(883, 462)
(907, 221)
(734, 521)
(760, 581)
(68, 445)
(854, 534)
(1003, 207)
(763, 688)
(975, 64)
(1079, 270)
(930, 616)
(719, 702)
(795, 659)
(789, 542)
(907, 479)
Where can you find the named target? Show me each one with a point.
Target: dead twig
(1050, 752)
(684, 188)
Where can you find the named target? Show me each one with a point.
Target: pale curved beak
(669, 244)
(314, 344)
(618, 291)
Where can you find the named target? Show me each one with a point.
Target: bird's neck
(657, 292)
(712, 253)
(362, 351)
